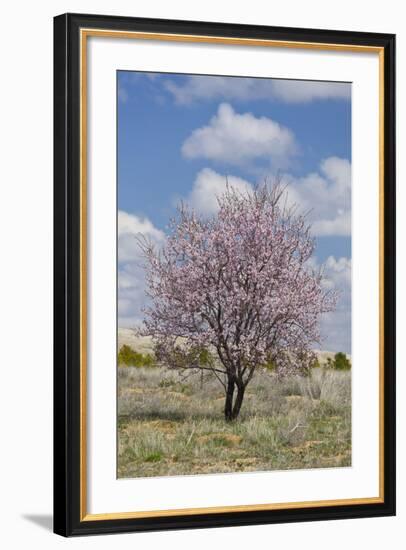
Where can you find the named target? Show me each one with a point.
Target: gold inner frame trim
(173, 37)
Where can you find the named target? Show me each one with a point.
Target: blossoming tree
(235, 292)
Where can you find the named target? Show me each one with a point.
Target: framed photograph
(224, 274)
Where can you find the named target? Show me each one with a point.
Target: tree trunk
(238, 402)
(232, 408)
(228, 408)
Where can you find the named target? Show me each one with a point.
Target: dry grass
(174, 426)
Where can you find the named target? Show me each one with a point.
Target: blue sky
(179, 136)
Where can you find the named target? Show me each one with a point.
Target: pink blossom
(240, 285)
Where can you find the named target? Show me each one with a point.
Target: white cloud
(131, 224)
(131, 294)
(337, 272)
(131, 227)
(336, 325)
(201, 88)
(209, 185)
(131, 275)
(304, 91)
(327, 195)
(237, 138)
(197, 88)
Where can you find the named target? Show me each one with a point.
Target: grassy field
(168, 425)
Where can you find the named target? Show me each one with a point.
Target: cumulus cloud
(305, 91)
(202, 88)
(209, 185)
(327, 195)
(338, 271)
(131, 275)
(236, 138)
(336, 325)
(129, 228)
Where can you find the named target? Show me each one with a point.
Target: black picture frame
(68, 520)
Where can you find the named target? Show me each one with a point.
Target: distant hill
(143, 344)
(127, 336)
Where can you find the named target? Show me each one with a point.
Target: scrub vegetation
(171, 424)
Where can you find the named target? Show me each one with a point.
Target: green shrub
(341, 361)
(127, 356)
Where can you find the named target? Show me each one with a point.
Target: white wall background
(26, 272)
